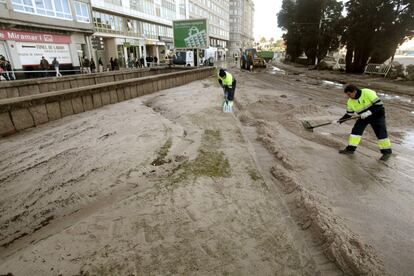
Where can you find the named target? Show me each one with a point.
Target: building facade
(134, 29)
(217, 14)
(30, 29)
(241, 26)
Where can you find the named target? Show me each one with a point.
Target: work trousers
(380, 129)
(58, 74)
(5, 75)
(229, 92)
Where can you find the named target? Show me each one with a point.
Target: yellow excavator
(250, 60)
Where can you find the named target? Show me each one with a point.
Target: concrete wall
(21, 88)
(28, 111)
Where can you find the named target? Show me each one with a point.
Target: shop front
(125, 50)
(25, 49)
(155, 48)
(128, 50)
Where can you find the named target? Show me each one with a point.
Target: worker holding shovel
(370, 109)
(228, 82)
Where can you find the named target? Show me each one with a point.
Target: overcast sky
(265, 20)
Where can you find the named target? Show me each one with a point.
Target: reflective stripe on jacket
(367, 100)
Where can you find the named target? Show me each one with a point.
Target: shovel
(227, 106)
(309, 126)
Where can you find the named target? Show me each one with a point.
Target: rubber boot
(346, 151)
(385, 156)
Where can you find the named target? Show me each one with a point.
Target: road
(169, 184)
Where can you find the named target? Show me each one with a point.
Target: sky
(265, 19)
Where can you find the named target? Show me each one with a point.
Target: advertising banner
(32, 53)
(190, 33)
(33, 37)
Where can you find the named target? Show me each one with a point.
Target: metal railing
(377, 69)
(36, 73)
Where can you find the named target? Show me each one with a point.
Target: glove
(343, 119)
(366, 114)
(221, 82)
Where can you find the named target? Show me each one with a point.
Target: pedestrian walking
(100, 65)
(6, 69)
(141, 62)
(86, 65)
(55, 65)
(370, 108)
(111, 61)
(9, 70)
(116, 64)
(130, 63)
(44, 66)
(3, 70)
(92, 66)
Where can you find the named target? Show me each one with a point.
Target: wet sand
(168, 184)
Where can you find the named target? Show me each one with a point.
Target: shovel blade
(307, 125)
(228, 106)
(311, 124)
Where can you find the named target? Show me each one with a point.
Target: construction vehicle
(250, 60)
(266, 55)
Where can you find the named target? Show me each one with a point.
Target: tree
(313, 27)
(374, 29)
(280, 43)
(286, 21)
(331, 28)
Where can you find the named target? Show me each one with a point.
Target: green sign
(190, 33)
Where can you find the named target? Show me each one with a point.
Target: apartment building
(217, 14)
(241, 26)
(30, 29)
(130, 29)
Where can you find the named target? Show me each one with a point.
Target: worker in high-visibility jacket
(228, 82)
(370, 109)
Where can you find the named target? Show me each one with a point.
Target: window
(137, 5)
(114, 2)
(62, 9)
(44, 7)
(110, 23)
(82, 12)
(50, 8)
(23, 5)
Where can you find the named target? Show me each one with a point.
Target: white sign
(32, 53)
